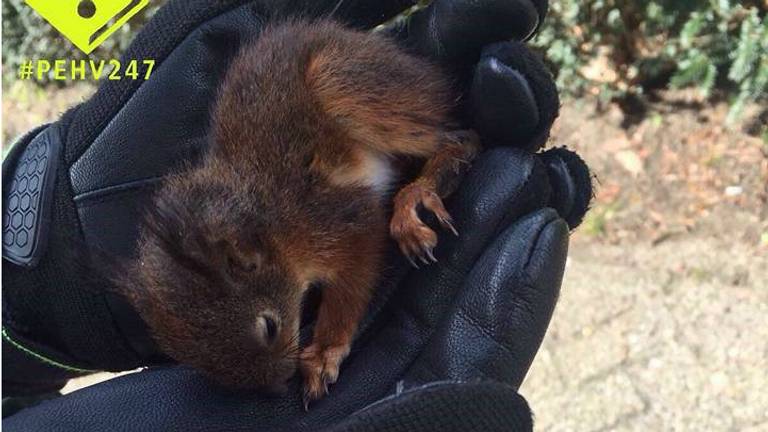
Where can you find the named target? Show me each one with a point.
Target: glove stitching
(105, 194)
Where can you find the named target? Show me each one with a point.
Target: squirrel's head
(210, 284)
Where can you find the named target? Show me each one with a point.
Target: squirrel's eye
(271, 329)
(267, 328)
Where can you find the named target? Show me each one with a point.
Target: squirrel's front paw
(416, 239)
(320, 367)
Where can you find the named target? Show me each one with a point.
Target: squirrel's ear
(244, 253)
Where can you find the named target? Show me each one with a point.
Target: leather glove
(102, 159)
(444, 349)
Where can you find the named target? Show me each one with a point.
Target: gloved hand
(445, 349)
(107, 154)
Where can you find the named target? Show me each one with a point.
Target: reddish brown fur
(438, 179)
(283, 201)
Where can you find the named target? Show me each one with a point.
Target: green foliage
(717, 46)
(26, 36)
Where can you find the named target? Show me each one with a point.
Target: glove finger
(497, 323)
(363, 14)
(453, 32)
(513, 98)
(572, 190)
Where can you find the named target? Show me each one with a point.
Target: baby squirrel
(310, 122)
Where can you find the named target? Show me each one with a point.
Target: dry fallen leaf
(630, 161)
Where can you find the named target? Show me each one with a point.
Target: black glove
(445, 349)
(107, 154)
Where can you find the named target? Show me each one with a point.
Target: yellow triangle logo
(87, 23)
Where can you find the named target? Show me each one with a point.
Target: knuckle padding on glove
(27, 186)
(571, 183)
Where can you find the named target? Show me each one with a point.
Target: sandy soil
(661, 320)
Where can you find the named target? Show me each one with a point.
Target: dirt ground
(661, 324)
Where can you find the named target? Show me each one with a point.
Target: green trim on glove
(43, 358)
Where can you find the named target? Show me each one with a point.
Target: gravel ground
(672, 337)
(661, 324)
